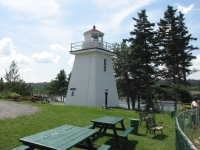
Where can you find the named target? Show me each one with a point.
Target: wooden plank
(104, 147)
(23, 147)
(65, 136)
(48, 133)
(108, 120)
(126, 132)
(76, 141)
(68, 139)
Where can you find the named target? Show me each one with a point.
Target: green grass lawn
(194, 92)
(51, 116)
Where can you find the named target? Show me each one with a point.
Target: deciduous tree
(12, 75)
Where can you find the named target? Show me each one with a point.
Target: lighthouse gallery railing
(94, 44)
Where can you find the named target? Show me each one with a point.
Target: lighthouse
(92, 81)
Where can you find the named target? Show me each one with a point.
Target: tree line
(14, 84)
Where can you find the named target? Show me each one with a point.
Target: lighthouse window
(72, 93)
(95, 37)
(104, 65)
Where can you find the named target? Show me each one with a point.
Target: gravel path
(15, 109)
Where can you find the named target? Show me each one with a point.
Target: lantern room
(93, 35)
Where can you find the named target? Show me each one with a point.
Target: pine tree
(175, 50)
(142, 66)
(59, 85)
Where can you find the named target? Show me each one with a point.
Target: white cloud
(196, 63)
(36, 8)
(26, 70)
(2, 72)
(119, 4)
(21, 59)
(6, 46)
(45, 57)
(113, 14)
(8, 53)
(56, 47)
(183, 9)
(71, 60)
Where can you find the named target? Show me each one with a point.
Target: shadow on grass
(125, 144)
(160, 137)
(138, 134)
(157, 137)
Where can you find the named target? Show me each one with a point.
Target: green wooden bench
(126, 132)
(104, 147)
(23, 147)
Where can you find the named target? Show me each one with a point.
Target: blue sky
(38, 33)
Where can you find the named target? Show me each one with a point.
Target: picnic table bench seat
(104, 147)
(125, 133)
(22, 147)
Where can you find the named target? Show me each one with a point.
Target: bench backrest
(150, 121)
(143, 114)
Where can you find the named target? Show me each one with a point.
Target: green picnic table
(61, 138)
(110, 122)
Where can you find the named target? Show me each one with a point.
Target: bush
(15, 96)
(186, 107)
(5, 95)
(2, 96)
(25, 98)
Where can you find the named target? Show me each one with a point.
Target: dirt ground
(15, 109)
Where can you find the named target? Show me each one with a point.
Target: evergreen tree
(59, 85)
(1, 84)
(175, 51)
(143, 63)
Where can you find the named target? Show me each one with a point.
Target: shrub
(186, 107)
(15, 96)
(25, 98)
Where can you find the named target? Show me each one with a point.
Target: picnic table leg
(89, 143)
(105, 129)
(122, 124)
(101, 128)
(93, 127)
(116, 137)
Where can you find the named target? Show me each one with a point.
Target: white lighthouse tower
(92, 74)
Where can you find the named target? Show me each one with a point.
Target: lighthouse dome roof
(94, 30)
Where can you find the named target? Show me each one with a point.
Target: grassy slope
(51, 116)
(194, 92)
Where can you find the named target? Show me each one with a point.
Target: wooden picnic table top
(108, 120)
(60, 138)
